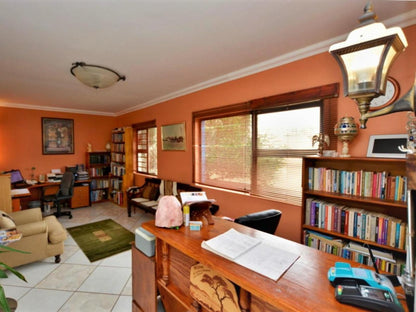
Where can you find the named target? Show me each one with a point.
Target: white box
(145, 241)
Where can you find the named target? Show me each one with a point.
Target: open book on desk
(251, 253)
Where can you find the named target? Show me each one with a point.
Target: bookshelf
(98, 166)
(121, 164)
(351, 203)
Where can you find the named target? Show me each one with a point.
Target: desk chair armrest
(26, 216)
(32, 228)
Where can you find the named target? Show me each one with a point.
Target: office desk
(81, 197)
(304, 287)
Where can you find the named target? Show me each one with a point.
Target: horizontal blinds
(225, 152)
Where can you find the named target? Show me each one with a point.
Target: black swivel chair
(65, 192)
(266, 220)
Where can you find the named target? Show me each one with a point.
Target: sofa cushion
(146, 191)
(154, 193)
(56, 232)
(6, 222)
(33, 228)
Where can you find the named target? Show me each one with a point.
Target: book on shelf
(354, 222)
(363, 183)
(324, 243)
(251, 253)
(385, 261)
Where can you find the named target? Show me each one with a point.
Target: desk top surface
(303, 287)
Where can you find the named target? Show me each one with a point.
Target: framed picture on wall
(174, 137)
(57, 136)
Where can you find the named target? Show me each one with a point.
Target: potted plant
(5, 302)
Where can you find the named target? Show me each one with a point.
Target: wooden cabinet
(5, 194)
(121, 164)
(81, 196)
(98, 166)
(143, 282)
(353, 202)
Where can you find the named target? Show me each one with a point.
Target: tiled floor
(76, 285)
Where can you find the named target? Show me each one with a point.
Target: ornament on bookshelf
(411, 135)
(346, 129)
(108, 147)
(322, 139)
(89, 147)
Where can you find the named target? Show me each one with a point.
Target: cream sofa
(43, 237)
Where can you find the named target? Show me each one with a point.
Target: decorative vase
(346, 129)
(108, 147)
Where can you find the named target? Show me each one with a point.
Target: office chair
(65, 192)
(265, 221)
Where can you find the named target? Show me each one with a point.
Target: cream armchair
(43, 237)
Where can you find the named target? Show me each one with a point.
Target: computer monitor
(15, 176)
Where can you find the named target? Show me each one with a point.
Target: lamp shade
(366, 56)
(95, 76)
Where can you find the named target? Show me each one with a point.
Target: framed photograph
(173, 137)
(387, 145)
(57, 136)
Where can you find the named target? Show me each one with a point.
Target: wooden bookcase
(121, 164)
(98, 166)
(332, 186)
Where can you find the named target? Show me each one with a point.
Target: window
(146, 147)
(257, 147)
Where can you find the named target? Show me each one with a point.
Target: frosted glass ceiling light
(95, 76)
(365, 59)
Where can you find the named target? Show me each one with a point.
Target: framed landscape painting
(57, 136)
(173, 137)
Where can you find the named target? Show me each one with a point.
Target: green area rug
(101, 239)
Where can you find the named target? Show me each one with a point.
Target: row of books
(99, 183)
(118, 157)
(98, 195)
(99, 172)
(385, 261)
(118, 197)
(117, 137)
(118, 147)
(116, 184)
(359, 223)
(99, 158)
(118, 170)
(359, 183)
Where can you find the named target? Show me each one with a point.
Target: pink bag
(169, 212)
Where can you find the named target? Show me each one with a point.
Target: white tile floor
(76, 284)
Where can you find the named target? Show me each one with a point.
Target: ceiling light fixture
(365, 59)
(95, 76)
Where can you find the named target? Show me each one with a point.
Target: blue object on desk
(344, 272)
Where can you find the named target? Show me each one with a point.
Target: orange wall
(21, 139)
(314, 71)
(20, 130)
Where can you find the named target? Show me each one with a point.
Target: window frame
(137, 127)
(325, 95)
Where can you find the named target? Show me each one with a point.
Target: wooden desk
(80, 198)
(304, 287)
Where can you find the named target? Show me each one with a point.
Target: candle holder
(346, 129)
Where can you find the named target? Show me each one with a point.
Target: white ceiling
(165, 48)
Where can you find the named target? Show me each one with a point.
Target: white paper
(251, 253)
(267, 260)
(21, 191)
(231, 244)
